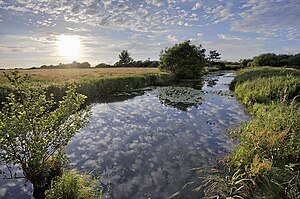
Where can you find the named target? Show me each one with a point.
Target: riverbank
(96, 84)
(265, 162)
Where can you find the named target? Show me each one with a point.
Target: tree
(184, 60)
(34, 130)
(214, 56)
(103, 65)
(267, 59)
(125, 59)
(245, 62)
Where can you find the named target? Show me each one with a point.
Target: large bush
(184, 60)
(35, 129)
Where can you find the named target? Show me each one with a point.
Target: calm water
(147, 143)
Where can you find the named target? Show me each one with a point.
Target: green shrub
(34, 130)
(185, 60)
(73, 185)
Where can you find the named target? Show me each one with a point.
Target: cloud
(218, 13)
(269, 17)
(230, 37)
(145, 16)
(172, 38)
(16, 48)
(197, 5)
(157, 3)
(109, 14)
(75, 29)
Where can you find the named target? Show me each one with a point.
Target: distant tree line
(74, 64)
(272, 59)
(125, 60)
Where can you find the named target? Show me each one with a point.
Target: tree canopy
(214, 56)
(184, 60)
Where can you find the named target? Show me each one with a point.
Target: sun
(69, 46)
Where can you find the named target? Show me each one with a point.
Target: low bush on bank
(74, 185)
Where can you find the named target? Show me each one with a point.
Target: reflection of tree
(119, 97)
(179, 97)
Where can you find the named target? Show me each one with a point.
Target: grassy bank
(265, 162)
(94, 83)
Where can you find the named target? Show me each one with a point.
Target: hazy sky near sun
(31, 30)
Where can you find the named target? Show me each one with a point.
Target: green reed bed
(266, 160)
(95, 88)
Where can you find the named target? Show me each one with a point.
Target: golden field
(58, 75)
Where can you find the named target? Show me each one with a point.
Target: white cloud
(218, 13)
(74, 29)
(269, 17)
(197, 5)
(117, 15)
(157, 3)
(172, 38)
(230, 37)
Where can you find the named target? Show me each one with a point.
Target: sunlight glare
(69, 46)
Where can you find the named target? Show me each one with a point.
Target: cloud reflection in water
(146, 147)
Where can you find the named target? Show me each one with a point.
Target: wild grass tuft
(74, 185)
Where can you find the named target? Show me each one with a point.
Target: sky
(38, 32)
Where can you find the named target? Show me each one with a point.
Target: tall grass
(95, 88)
(266, 160)
(266, 85)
